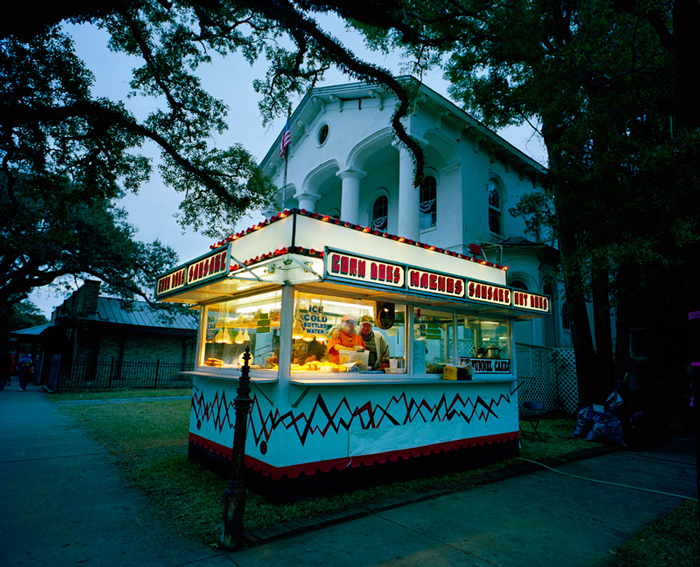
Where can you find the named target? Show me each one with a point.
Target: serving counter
(288, 287)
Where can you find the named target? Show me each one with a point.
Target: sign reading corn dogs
(346, 266)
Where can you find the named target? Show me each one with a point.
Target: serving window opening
(433, 334)
(331, 333)
(482, 338)
(434, 348)
(233, 325)
(336, 334)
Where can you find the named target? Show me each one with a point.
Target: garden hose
(607, 482)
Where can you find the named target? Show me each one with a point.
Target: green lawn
(150, 439)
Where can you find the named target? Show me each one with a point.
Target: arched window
(494, 208)
(517, 284)
(380, 213)
(428, 203)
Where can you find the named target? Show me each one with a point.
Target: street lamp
(235, 492)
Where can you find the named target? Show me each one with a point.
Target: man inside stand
(344, 339)
(374, 341)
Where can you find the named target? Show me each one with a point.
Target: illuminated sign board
(346, 266)
(531, 301)
(211, 266)
(208, 267)
(431, 282)
(171, 282)
(487, 365)
(341, 266)
(489, 293)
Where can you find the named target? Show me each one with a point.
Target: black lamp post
(235, 493)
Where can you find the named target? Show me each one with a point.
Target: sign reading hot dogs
(531, 301)
(346, 266)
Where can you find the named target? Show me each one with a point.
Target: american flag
(286, 139)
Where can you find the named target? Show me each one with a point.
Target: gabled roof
(316, 99)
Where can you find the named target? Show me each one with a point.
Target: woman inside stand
(344, 340)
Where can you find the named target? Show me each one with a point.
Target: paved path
(64, 503)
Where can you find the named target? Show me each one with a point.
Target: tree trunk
(604, 380)
(586, 372)
(573, 281)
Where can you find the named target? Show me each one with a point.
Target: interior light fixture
(239, 340)
(297, 331)
(222, 337)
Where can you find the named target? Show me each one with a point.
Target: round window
(323, 134)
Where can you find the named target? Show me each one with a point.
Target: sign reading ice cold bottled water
(315, 321)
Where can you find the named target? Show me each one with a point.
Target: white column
(307, 201)
(286, 325)
(409, 197)
(350, 203)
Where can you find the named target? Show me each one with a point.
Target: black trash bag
(584, 422)
(613, 403)
(607, 429)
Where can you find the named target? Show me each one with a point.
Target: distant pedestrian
(26, 371)
(7, 365)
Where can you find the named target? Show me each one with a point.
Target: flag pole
(284, 187)
(286, 141)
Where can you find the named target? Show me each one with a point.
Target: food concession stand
(447, 396)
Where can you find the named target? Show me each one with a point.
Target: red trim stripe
(294, 471)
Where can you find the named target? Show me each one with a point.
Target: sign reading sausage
(489, 293)
(210, 266)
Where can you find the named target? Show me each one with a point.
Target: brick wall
(146, 346)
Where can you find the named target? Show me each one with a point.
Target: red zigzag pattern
(320, 420)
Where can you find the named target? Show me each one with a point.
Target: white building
(343, 161)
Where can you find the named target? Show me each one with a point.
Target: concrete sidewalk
(63, 502)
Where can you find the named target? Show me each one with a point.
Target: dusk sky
(152, 210)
